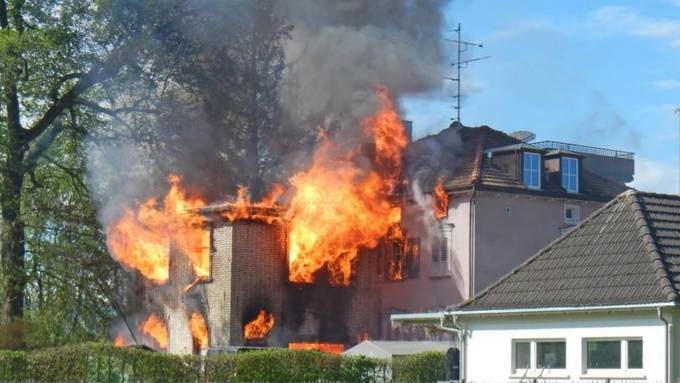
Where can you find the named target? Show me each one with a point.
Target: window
(635, 354)
(523, 355)
(572, 214)
(551, 354)
(569, 169)
(538, 355)
(532, 170)
(613, 354)
(604, 354)
(403, 260)
(440, 255)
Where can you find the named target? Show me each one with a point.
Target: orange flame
(199, 330)
(330, 348)
(440, 204)
(339, 206)
(265, 210)
(119, 341)
(259, 327)
(154, 327)
(140, 239)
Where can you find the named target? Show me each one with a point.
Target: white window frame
(533, 370)
(529, 171)
(569, 174)
(576, 214)
(622, 372)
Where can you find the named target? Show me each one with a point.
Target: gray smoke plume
(341, 49)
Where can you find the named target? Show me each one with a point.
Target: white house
(600, 302)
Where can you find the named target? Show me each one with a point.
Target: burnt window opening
(403, 260)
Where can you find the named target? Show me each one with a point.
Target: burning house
(305, 273)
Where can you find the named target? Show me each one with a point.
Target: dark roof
(471, 168)
(627, 252)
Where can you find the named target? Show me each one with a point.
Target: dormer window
(532, 170)
(569, 169)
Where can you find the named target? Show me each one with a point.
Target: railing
(584, 149)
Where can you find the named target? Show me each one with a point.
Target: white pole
(677, 111)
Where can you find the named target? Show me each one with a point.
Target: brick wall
(248, 273)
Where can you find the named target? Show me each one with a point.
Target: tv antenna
(677, 111)
(462, 46)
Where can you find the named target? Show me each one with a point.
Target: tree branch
(54, 92)
(117, 59)
(41, 145)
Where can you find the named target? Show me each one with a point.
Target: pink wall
(509, 228)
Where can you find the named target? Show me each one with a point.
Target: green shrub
(419, 368)
(102, 363)
(363, 369)
(13, 365)
(220, 367)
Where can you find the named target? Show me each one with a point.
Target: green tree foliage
(52, 54)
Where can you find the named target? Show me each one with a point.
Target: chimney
(408, 129)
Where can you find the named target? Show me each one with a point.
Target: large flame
(330, 348)
(140, 239)
(199, 330)
(259, 327)
(154, 327)
(339, 206)
(440, 203)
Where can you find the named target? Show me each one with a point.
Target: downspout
(461, 336)
(668, 327)
(471, 245)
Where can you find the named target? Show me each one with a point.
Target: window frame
(567, 175)
(624, 369)
(574, 220)
(440, 253)
(533, 369)
(526, 170)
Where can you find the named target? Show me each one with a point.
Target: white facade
(490, 344)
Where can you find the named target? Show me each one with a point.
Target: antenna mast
(462, 46)
(677, 111)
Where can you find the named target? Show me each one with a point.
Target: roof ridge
(543, 250)
(660, 195)
(651, 246)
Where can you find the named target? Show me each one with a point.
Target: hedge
(99, 363)
(102, 363)
(419, 368)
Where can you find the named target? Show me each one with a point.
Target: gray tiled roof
(627, 252)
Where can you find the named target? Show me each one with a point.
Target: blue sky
(595, 73)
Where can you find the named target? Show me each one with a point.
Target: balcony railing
(584, 149)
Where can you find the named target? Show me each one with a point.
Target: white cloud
(655, 176)
(618, 19)
(667, 84)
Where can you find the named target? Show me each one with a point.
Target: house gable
(627, 252)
